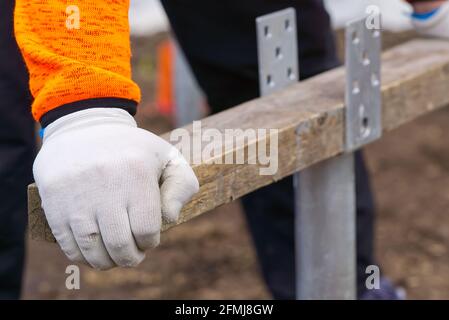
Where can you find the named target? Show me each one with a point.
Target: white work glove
(106, 186)
(436, 25)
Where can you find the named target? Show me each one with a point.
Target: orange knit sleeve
(77, 53)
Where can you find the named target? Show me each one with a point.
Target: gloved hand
(106, 185)
(433, 24)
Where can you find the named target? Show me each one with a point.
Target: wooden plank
(310, 120)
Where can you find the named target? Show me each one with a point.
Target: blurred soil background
(212, 257)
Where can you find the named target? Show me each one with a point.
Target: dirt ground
(212, 257)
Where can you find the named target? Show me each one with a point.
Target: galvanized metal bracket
(277, 50)
(363, 84)
(324, 193)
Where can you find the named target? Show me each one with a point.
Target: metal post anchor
(325, 230)
(326, 206)
(325, 193)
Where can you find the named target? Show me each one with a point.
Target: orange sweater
(77, 53)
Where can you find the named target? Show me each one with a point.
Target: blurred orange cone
(165, 82)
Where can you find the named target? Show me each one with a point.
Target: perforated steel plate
(363, 84)
(277, 50)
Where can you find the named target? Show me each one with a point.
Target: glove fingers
(117, 236)
(145, 216)
(90, 242)
(60, 228)
(67, 242)
(179, 184)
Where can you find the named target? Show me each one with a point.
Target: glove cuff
(87, 118)
(434, 24)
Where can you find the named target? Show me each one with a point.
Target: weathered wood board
(310, 120)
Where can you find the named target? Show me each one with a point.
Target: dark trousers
(17, 151)
(219, 41)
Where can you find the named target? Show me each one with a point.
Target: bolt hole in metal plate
(363, 86)
(277, 50)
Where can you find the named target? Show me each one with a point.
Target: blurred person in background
(84, 99)
(220, 43)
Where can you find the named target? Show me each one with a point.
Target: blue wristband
(425, 15)
(41, 133)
